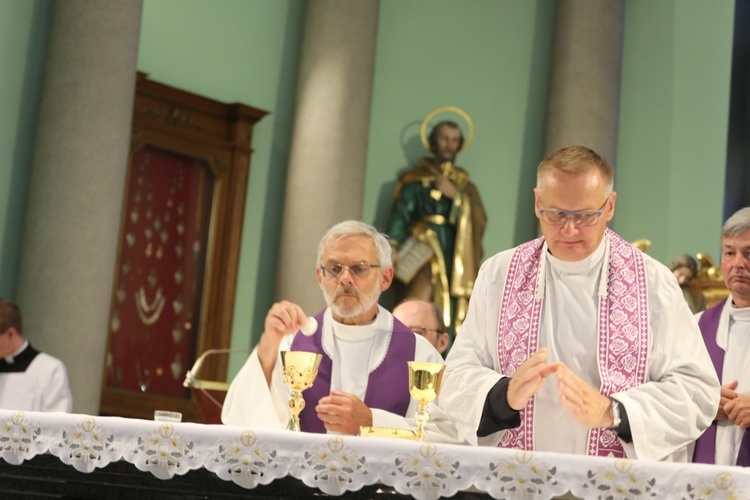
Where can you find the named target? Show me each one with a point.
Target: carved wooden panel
(180, 234)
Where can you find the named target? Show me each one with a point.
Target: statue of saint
(436, 225)
(685, 268)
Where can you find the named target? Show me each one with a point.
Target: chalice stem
(422, 416)
(296, 405)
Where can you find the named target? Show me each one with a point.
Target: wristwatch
(614, 410)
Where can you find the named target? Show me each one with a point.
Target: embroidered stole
(387, 385)
(705, 445)
(623, 330)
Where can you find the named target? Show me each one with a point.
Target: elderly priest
(363, 378)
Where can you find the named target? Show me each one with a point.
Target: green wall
(489, 57)
(23, 37)
(237, 51)
(673, 125)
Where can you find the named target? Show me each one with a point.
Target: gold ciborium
(300, 369)
(424, 386)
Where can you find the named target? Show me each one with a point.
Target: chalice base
(293, 425)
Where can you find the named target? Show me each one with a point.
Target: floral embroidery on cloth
(246, 461)
(86, 446)
(426, 473)
(334, 467)
(164, 452)
(20, 439)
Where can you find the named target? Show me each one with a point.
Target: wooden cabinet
(180, 233)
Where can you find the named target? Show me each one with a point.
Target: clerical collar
(739, 313)
(10, 358)
(355, 333)
(19, 360)
(579, 266)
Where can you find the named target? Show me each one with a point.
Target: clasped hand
(587, 406)
(733, 406)
(343, 412)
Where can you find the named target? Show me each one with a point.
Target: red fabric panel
(156, 306)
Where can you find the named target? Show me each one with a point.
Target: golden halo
(443, 109)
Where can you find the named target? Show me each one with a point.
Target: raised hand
(528, 379)
(282, 319)
(587, 406)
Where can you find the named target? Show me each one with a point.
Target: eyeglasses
(357, 270)
(420, 330)
(581, 218)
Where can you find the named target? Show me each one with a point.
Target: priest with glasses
(577, 342)
(363, 379)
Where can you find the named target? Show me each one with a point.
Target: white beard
(366, 301)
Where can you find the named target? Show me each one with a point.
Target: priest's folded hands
(587, 406)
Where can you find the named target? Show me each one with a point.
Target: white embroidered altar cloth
(337, 464)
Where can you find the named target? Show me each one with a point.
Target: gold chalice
(424, 386)
(300, 369)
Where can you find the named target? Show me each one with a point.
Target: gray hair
(737, 224)
(355, 228)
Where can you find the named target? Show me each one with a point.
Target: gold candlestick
(424, 386)
(300, 369)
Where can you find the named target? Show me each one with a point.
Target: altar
(83, 456)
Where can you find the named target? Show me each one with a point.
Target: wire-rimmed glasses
(580, 218)
(357, 270)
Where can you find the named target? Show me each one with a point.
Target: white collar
(729, 312)
(354, 333)
(10, 357)
(599, 257)
(739, 314)
(382, 328)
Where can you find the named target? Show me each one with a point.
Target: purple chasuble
(705, 446)
(387, 385)
(623, 332)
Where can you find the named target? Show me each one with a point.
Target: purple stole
(387, 385)
(705, 445)
(623, 332)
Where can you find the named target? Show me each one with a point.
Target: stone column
(584, 91)
(326, 175)
(77, 184)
